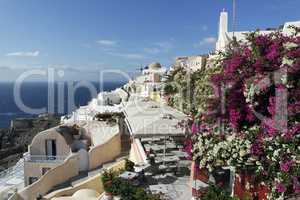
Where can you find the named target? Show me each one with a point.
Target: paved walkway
(177, 189)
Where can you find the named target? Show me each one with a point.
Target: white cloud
(206, 41)
(107, 43)
(24, 54)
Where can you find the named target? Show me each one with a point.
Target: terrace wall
(94, 183)
(104, 153)
(55, 176)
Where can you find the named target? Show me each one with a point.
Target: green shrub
(107, 180)
(217, 193)
(125, 189)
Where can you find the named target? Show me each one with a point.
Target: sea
(35, 95)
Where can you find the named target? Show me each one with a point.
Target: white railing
(44, 158)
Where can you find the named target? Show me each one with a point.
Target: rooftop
(147, 118)
(101, 131)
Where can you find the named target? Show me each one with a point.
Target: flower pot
(222, 178)
(108, 196)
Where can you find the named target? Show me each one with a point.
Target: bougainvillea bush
(253, 121)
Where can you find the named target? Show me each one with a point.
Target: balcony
(44, 158)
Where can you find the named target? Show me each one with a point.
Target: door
(50, 149)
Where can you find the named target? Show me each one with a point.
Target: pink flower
(261, 40)
(234, 118)
(188, 147)
(273, 52)
(259, 65)
(256, 149)
(285, 166)
(270, 126)
(247, 52)
(231, 65)
(296, 185)
(272, 105)
(280, 188)
(249, 114)
(195, 128)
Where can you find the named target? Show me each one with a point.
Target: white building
(149, 82)
(106, 102)
(192, 63)
(225, 36)
(108, 98)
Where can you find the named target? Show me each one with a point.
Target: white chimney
(223, 24)
(223, 29)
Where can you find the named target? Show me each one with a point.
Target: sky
(79, 38)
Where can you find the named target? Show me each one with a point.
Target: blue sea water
(35, 95)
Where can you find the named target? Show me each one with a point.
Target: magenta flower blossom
(292, 131)
(273, 52)
(247, 52)
(234, 118)
(195, 128)
(259, 65)
(286, 165)
(256, 149)
(188, 147)
(270, 126)
(296, 185)
(280, 188)
(232, 64)
(249, 114)
(261, 40)
(217, 78)
(272, 105)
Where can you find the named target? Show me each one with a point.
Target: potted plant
(107, 181)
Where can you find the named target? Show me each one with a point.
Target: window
(44, 170)
(32, 180)
(51, 149)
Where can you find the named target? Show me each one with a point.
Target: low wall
(53, 177)
(34, 169)
(105, 153)
(94, 183)
(137, 153)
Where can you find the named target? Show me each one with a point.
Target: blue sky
(84, 36)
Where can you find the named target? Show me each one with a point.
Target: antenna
(233, 16)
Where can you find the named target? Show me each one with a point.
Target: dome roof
(155, 65)
(82, 194)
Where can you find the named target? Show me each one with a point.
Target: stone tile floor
(176, 188)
